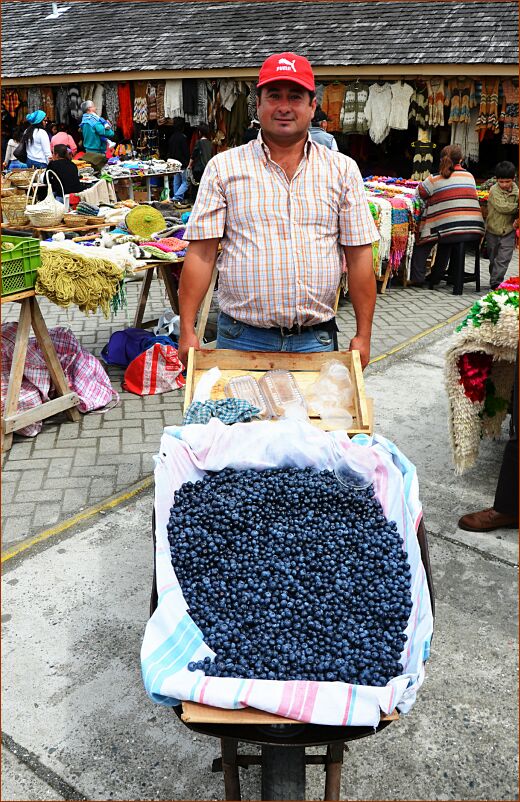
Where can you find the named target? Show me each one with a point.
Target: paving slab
(95, 447)
(75, 611)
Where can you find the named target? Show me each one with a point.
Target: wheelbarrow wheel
(283, 772)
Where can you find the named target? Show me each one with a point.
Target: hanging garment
(422, 160)
(202, 101)
(460, 97)
(401, 94)
(466, 137)
(487, 119)
(377, 111)
(10, 101)
(251, 103)
(419, 106)
(111, 102)
(161, 116)
(238, 121)
(228, 93)
(140, 103)
(213, 101)
(320, 88)
(151, 100)
(124, 120)
(48, 102)
(173, 99)
(98, 96)
(74, 99)
(62, 106)
(34, 99)
(509, 114)
(352, 118)
(22, 110)
(436, 102)
(189, 95)
(332, 103)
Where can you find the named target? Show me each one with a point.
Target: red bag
(157, 370)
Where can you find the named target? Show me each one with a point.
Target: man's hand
(187, 341)
(361, 344)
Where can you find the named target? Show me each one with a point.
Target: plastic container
(20, 265)
(283, 395)
(356, 469)
(247, 388)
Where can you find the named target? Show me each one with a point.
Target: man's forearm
(195, 279)
(361, 286)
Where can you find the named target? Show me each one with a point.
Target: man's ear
(314, 103)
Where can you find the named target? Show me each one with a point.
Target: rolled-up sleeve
(356, 224)
(208, 218)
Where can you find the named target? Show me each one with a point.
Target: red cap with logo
(287, 67)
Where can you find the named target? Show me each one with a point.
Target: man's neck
(283, 152)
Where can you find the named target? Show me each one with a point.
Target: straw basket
(72, 220)
(13, 209)
(21, 178)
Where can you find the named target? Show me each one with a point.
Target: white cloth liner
(172, 639)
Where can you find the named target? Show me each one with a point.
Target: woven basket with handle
(22, 178)
(13, 209)
(48, 212)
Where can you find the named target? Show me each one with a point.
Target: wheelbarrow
(283, 743)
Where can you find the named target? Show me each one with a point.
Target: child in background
(501, 222)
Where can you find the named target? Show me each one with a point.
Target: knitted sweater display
(111, 102)
(352, 118)
(332, 103)
(460, 97)
(75, 100)
(378, 110)
(487, 119)
(435, 102)
(140, 103)
(151, 100)
(401, 94)
(173, 98)
(419, 106)
(34, 99)
(509, 114)
(466, 136)
(422, 160)
(452, 207)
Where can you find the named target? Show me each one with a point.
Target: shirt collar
(264, 152)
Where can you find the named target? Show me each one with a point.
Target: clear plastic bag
(332, 394)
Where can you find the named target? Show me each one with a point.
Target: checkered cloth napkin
(230, 410)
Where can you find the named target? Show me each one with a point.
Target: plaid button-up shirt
(281, 258)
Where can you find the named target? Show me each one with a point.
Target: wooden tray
(304, 367)
(195, 713)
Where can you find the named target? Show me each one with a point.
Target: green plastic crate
(20, 266)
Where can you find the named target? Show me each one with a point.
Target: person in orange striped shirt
(285, 211)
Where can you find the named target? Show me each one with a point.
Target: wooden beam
(35, 414)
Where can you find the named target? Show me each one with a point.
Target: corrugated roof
(114, 37)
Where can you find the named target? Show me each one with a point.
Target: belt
(296, 328)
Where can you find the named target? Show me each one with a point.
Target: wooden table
(147, 177)
(41, 232)
(30, 315)
(164, 270)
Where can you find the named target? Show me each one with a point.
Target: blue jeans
(180, 186)
(31, 163)
(241, 337)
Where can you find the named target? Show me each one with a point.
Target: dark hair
(450, 156)
(204, 130)
(311, 94)
(178, 124)
(319, 117)
(28, 134)
(505, 170)
(17, 133)
(61, 151)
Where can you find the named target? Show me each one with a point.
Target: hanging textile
(34, 99)
(435, 102)
(98, 97)
(487, 119)
(320, 88)
(48, 102)
(151, 100)
(423, 156)
(465, 136)
(74, 99)
(332, 103)
(401, 94)
(377, 111)
(352, 118)
(161, 116)
(22, 111)
(10, 101)
(251, 103)
(419, 106)
(460, 97)
(509, 113)
(238, 121)
(140, 103)
(228, 93)
(202, 101)
(125, 121)
(62, 106)
(173, 98)
(213, 101)
(189, 96)
(111, 102)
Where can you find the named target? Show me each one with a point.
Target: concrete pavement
(76, 720)
(70, 467)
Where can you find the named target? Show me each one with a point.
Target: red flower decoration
(474, 371)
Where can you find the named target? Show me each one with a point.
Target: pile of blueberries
(290, 576)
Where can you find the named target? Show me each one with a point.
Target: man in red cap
(285, 211)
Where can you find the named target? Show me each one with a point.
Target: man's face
(285, 111)
(505, 183)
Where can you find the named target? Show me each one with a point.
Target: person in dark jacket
(201, 154)
(251, 132)
(178, 149)
(61, 164)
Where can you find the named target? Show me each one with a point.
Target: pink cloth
(84, 373)
(174, 243)
(62, 138)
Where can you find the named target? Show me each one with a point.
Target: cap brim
(292, 80)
